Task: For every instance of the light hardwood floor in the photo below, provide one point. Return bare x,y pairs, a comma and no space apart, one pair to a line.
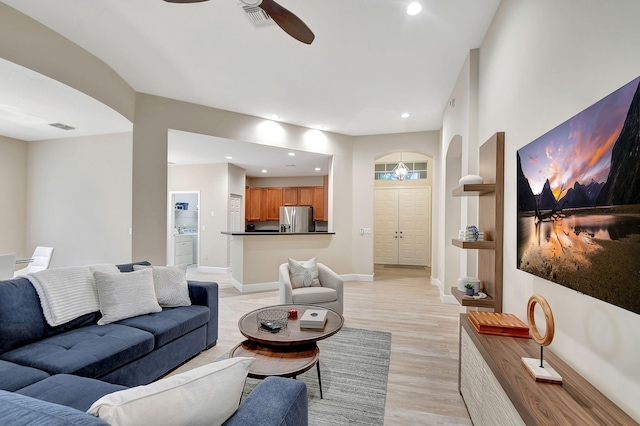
423,371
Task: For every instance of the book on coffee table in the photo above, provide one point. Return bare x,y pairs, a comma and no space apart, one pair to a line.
313,318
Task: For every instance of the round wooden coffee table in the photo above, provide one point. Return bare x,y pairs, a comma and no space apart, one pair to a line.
288,352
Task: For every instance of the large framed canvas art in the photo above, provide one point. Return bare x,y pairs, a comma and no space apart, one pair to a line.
579,201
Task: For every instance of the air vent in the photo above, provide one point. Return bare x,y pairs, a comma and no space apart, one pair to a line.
257,16
289,165
62,126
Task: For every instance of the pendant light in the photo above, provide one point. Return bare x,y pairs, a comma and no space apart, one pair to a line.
401,170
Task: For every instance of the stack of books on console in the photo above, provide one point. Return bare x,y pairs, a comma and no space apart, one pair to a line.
464,235
313,318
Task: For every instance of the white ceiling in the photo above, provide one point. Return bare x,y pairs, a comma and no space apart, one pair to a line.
369,63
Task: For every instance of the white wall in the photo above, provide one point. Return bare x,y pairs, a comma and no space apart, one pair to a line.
79,198
542,62
13,187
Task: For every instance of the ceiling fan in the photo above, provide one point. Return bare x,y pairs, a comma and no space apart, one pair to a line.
286,20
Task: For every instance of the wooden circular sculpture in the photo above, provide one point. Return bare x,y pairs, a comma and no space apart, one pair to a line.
548,317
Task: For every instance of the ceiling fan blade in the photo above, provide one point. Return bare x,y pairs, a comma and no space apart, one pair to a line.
286,20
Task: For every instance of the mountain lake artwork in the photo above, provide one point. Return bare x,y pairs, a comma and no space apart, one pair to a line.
579,201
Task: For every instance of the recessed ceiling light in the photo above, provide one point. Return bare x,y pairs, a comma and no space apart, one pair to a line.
318,169
405,115
228,157
292,154
414,8
264,170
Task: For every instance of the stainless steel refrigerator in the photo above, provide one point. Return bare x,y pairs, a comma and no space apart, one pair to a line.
296,219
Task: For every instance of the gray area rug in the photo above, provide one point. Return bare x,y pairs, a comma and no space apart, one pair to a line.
354,367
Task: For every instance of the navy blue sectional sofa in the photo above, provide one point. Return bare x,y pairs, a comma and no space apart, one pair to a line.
71,366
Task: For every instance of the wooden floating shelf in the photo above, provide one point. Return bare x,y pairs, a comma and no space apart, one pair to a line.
478,245
474,189
487,302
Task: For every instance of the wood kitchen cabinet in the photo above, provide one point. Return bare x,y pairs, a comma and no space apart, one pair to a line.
272,202
305,196
313,196
290,196
254,202
319,204
262,204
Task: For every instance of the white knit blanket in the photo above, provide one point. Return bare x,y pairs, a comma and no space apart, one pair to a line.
68,293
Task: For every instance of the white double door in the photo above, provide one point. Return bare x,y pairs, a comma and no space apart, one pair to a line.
402,234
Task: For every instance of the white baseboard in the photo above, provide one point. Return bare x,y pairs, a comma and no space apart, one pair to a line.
213,270
447,299
357,277
253,288
437,283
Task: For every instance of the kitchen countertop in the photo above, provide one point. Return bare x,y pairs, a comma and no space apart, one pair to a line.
275,233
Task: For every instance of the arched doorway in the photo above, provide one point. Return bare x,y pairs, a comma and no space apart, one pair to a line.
452,218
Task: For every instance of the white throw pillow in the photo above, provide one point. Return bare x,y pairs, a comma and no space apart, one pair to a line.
125,295
303,273
206,395
170,283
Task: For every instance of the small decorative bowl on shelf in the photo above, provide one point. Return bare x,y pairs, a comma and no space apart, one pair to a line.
273,320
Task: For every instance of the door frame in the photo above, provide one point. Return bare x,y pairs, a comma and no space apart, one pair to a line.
171,226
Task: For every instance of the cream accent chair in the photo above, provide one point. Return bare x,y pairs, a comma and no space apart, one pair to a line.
329,294
7,265
41,260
